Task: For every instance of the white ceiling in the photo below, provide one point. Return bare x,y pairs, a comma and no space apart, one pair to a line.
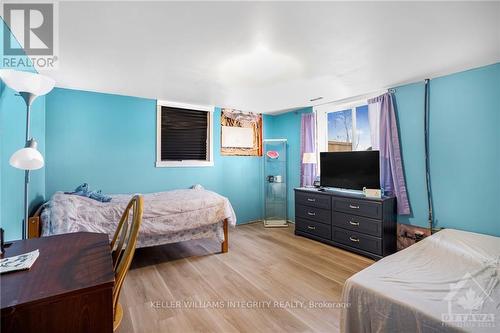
268,57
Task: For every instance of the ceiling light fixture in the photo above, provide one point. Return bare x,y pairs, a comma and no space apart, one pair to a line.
261,65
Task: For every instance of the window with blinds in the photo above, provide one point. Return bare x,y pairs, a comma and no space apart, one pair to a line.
184,136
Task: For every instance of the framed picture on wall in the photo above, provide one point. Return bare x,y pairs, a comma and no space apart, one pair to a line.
241,133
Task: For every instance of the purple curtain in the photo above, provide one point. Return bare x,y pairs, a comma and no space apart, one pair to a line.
392,177
307,145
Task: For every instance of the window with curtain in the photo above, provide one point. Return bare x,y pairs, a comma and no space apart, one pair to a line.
348,129
366,125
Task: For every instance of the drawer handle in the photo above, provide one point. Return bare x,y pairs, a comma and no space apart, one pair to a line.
354,223
311,200
310,227
354,239
353,207
311,213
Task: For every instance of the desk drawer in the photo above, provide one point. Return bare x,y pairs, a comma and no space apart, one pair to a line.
358,207
313,213
358,223
314,228
358,240
313,200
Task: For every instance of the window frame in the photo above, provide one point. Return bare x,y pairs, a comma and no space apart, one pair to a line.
322,112
210,137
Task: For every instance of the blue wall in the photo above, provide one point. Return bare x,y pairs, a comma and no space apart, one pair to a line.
12,138
102,139
464,149
287,126
109,141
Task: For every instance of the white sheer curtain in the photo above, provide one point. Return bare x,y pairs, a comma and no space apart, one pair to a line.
374,120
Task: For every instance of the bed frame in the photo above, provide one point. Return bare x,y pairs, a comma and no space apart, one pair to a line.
35,229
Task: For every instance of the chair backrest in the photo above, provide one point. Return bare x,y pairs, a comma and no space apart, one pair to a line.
123,243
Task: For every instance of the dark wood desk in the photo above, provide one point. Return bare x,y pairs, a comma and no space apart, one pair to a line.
68,289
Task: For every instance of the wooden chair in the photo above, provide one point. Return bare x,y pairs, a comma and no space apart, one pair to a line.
123,248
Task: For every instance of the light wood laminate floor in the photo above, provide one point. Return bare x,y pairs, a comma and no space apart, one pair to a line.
269,281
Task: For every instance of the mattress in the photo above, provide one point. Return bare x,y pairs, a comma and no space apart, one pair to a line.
168,217
448,282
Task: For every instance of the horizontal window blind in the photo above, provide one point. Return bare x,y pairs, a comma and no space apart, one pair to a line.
183,134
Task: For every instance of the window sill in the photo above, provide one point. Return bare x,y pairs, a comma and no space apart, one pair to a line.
183,164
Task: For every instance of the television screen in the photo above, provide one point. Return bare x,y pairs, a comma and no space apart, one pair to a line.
350,170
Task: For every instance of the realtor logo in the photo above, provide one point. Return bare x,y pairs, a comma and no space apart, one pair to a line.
467,303
31,38
33,25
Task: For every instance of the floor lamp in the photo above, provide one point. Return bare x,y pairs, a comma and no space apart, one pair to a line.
29,86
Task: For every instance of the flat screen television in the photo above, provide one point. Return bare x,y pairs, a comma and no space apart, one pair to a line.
350,170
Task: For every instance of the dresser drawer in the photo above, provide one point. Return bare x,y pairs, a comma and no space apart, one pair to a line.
358,240
313,200
358,207
314,228
358,223
313,213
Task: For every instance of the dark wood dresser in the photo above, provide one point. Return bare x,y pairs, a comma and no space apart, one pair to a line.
68,289
350,221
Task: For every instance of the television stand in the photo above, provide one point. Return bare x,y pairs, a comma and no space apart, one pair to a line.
347,219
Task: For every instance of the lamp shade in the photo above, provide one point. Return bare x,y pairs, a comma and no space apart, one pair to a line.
32,83
28,158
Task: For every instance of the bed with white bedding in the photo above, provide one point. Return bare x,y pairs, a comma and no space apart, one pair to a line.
168,217
448,282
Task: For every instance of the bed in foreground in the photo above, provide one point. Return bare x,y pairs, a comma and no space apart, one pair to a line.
169,217
449,282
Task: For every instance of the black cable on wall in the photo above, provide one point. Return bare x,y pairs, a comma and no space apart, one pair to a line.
427,167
